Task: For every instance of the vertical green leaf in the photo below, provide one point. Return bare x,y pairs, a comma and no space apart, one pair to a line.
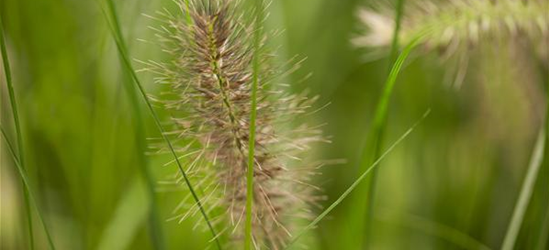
28,186
377,138
253,114
527,186
20,160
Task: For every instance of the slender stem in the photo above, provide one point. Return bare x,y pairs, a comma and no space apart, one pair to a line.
365,174
525,193
155,226
394,43
378,130
221,83
528,185
117,35
253,115
14,109
27,184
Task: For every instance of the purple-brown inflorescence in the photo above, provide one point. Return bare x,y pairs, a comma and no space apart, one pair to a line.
210,81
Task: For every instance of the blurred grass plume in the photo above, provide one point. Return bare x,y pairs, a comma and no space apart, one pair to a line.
457,24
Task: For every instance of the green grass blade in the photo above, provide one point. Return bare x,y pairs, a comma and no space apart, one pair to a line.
28,212
394,43
528,186
156,231
25,178
365,174
111,16
378,131
525,193
363,211
14,109
253,114
11,92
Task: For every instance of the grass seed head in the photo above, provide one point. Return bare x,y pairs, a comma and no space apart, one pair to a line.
210,80
456,25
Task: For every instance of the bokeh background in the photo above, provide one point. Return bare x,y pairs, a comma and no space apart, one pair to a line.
458,174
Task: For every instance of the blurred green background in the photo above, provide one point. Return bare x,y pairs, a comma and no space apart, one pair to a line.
459,173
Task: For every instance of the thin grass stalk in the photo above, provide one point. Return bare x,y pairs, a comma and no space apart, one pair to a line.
378,132
525,193
28,187
538,155
156,231
117,35
13,103
394,43
253,115
357,182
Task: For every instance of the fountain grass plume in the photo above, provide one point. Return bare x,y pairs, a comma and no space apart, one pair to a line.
457,24
211,77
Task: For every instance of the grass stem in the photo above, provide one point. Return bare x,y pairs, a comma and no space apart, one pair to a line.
114,25
28,187
525,193
253,114
365,174
15,113
155,226
378,130
527,189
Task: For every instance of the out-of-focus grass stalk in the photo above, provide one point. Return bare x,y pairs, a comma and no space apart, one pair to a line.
538,155
111,18
372,151
28,187
365,174
394,43
155,226
253,114
525,193
14,109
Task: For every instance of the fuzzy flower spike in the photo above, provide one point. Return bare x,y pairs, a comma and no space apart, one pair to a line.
210,79
458,24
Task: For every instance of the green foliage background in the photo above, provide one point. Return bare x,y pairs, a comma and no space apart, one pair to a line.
460,171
